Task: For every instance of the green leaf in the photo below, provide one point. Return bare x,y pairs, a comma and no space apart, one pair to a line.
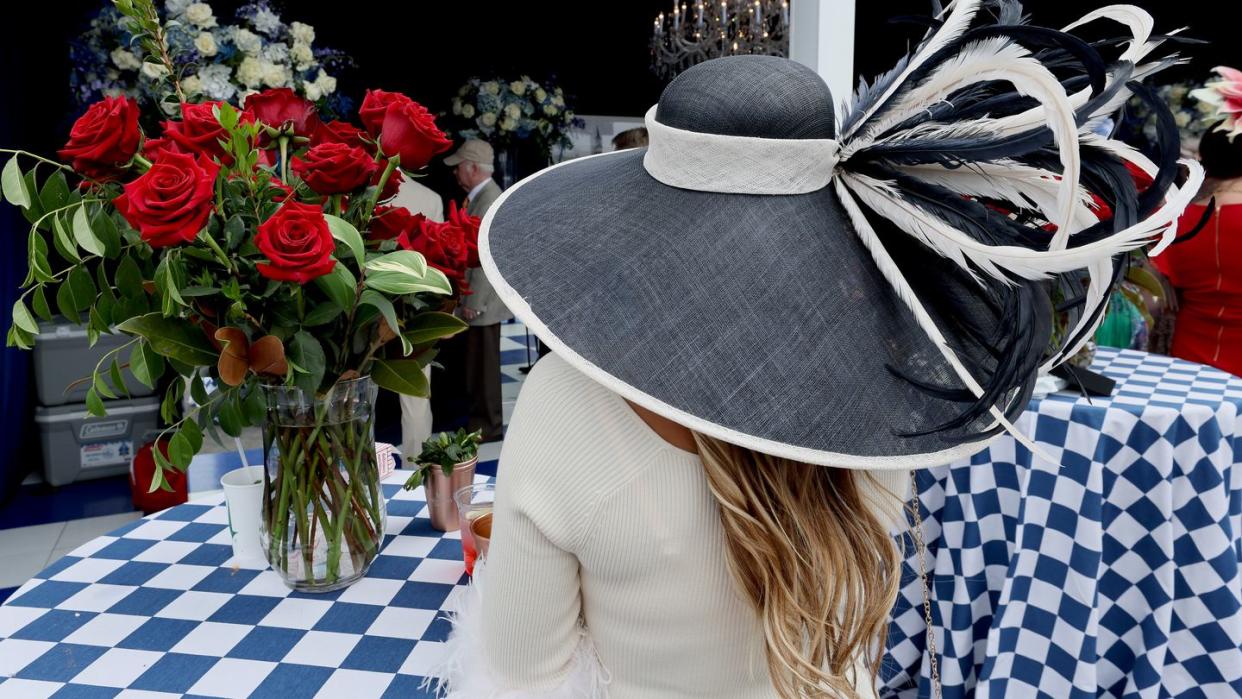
193,435
63,240
75,294
39,303
14,184
322,314
234,232
129,278
195,291
230,417
171,405
16,337
339,285
55,192
162,464
35,211
166,284
97,324
179,451
378,301
105,229
83,233
402,283
345,232
254,407
400,261
145,364
94,405
198,391
174,338
101,386
404,376
23,319
306,352
114,373
432,326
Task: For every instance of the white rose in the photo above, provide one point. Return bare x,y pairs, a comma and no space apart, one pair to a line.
248,42
176,7
558,101
112,92
513,111
326,83
1182,119
312,92
467,110
456,106
303,33
206,44
508,124
126,60
302,54
276,74
155,71
250,72
569,114
491,87
1179,92
540,94
487,119
192,85
550,110
112,74
200,15
518,87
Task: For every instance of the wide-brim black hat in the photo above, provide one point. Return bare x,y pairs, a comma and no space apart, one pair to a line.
758,278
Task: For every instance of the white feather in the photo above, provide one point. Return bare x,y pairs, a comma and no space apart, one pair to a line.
1007,180
1099,276
958,21
995,260
896,280
466,674
1003,60
1137,19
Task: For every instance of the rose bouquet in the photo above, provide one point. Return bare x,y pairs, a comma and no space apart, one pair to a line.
503,112
232,245
215,60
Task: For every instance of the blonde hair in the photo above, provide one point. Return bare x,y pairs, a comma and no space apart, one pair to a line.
808,551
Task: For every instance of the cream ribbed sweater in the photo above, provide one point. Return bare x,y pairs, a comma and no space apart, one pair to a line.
598,516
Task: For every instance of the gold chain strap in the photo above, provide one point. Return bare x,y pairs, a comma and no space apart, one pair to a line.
920,547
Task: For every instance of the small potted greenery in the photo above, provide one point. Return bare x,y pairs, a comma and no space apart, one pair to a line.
445,465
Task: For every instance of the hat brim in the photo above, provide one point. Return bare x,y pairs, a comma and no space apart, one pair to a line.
758,320
454,160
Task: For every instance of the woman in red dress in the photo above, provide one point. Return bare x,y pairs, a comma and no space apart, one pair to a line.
1206,270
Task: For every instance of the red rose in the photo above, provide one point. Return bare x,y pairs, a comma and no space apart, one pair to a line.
104,138
199,131
172,201
375,106
403,127
395,178
390,222
152,148
470,232
341,132
442,244
334,168
410,131
282,108
298,243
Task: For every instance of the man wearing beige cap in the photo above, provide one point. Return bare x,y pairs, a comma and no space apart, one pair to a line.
482,308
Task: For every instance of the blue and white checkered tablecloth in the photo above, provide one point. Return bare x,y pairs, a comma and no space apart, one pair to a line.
1113,572
158,609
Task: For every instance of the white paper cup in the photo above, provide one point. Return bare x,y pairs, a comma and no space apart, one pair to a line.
243,495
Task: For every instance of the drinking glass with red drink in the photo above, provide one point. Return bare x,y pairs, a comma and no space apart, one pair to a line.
475,504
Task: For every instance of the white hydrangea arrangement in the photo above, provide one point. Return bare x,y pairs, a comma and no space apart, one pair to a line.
218,61
504,111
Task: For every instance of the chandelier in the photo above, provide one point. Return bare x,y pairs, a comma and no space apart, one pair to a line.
697,32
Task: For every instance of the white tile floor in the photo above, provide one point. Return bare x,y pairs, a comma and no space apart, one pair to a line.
25,551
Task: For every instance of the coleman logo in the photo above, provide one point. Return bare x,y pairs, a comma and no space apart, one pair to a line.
110,428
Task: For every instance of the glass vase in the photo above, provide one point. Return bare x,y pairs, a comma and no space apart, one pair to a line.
323,508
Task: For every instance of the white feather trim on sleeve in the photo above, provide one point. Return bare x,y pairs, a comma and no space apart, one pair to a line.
466,673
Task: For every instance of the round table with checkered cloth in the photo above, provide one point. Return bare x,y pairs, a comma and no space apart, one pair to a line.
1112,572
